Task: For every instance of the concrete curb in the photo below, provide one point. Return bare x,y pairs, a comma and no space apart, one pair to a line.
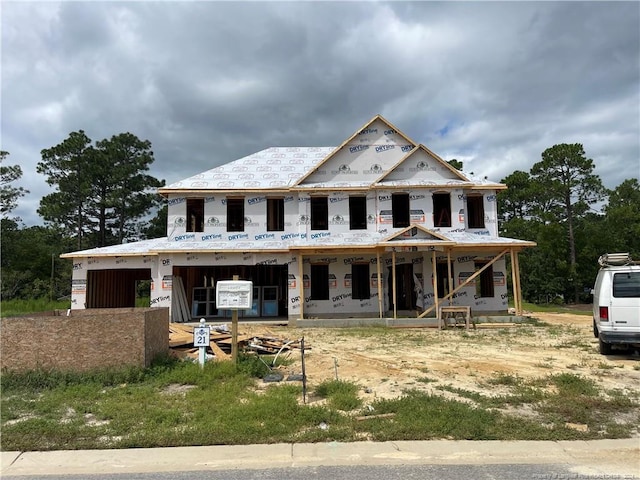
620,457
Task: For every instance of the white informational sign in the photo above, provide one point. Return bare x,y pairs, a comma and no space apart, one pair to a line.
234,294
201,336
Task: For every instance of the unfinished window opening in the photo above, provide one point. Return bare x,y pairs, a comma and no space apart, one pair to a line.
275,214
360,281
235,214
484,281
441,210
319,213
195,214
319,281
475,211
443,281
358,213
400,209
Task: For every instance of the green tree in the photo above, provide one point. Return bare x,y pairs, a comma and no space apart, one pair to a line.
457,164
622,218
102,191
566,177
157,226
515,202
69,167
9,194
132,192
31,263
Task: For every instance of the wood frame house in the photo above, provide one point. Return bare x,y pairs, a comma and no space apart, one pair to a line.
377,227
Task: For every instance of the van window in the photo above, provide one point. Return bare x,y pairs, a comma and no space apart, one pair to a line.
626,285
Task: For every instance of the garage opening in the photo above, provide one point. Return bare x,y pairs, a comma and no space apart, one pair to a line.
270,289
115,288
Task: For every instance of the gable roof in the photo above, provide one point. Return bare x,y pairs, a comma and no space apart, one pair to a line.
416,232
377,155
421,166
378,133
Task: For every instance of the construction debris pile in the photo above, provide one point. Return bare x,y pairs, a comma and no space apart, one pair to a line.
220,339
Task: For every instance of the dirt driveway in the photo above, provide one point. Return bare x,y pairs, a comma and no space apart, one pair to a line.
387,361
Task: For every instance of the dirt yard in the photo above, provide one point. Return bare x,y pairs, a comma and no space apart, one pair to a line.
387,361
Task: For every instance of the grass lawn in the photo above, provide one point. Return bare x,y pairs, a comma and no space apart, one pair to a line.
177,403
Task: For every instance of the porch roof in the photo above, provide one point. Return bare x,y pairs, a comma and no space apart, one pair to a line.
358,240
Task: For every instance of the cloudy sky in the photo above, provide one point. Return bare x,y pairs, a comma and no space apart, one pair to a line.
492,84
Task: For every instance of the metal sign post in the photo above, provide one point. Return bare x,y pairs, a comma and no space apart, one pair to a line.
201,338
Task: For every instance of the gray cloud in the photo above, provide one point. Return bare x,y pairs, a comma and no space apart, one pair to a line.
492,84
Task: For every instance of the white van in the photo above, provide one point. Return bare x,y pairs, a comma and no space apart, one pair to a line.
616,302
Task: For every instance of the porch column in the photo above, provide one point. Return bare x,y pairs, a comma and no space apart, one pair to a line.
393,275
449,277
517,289
434,281
300,279
378,260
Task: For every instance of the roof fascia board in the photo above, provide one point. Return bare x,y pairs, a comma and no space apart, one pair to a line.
200,192
518,246
148,253
332,188
333,248
496,186
438,247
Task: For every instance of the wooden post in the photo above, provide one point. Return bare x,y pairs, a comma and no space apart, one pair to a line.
304,373
514,282
434,282
301,280
234,331
449,277
378,260
518,291
393,274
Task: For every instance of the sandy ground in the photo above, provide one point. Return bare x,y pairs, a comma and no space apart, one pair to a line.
387,361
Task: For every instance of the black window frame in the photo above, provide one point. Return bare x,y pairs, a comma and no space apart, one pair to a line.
360,283
357,212
275,214
319,277
401,210
319,207
195,214
441,209
235,214
475,211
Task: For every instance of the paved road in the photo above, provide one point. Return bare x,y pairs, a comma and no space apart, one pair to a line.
601,459
358,472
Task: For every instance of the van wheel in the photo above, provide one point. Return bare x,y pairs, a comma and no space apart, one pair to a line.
605,348
595,329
